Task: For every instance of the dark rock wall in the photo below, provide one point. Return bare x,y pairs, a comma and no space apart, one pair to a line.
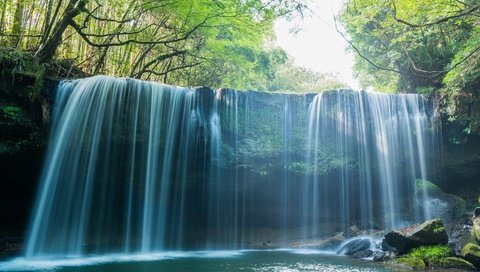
23,137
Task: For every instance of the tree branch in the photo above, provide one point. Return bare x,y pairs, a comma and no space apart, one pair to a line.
439,21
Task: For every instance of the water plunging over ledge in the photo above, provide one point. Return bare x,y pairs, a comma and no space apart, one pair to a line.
140,167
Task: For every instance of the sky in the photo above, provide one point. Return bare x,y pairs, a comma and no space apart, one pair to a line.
317,45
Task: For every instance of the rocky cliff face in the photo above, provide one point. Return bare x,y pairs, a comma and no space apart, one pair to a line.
23,136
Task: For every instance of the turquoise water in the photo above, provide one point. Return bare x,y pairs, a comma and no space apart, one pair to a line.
208,261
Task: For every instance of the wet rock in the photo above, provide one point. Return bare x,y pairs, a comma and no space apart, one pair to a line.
379,256
363,253
455,262
471,253
440,204
355,246
459,236
476,228
431,232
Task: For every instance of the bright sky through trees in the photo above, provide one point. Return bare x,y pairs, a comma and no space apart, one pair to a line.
317,45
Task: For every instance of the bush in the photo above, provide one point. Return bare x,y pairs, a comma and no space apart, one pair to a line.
431,254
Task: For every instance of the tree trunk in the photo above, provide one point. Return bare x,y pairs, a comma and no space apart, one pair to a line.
17,22
47,51
2,18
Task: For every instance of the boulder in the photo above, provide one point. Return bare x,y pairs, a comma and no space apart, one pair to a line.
355,246
476,228
459,236
431,232
476,211
455,262
411,262
438,203
471,253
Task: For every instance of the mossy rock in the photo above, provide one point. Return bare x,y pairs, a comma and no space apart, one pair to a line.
471,253
425,186
430,233
411,262
476,229
445,206
455,262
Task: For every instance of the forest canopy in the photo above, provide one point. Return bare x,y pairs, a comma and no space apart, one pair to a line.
415,45
217,43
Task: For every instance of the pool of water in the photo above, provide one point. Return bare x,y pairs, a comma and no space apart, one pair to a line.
201,261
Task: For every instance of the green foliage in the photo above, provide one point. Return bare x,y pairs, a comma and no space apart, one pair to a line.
23,66
411,42
290,78
214,43
431,254
18,132
11,112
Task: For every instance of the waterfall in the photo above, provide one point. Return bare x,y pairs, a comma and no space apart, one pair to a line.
138,167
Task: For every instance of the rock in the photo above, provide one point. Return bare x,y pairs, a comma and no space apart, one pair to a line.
455,262
363,253
397,242
471,253
355,246
476,228
476,212
388,248
431,232
411,262
460,235
440,204
379,256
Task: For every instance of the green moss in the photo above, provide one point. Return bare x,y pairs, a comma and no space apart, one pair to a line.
425,186
431,254
472,249
455,262
412,262
23,66
11,112
476,228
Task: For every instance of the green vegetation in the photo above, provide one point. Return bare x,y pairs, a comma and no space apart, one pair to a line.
425,185
415,46
213,43
420,46
455,262
431,254
412,262
19,132
471,253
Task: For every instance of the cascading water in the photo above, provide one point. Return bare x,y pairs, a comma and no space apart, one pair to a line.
140,167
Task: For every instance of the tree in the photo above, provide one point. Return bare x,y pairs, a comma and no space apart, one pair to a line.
208,42
410,45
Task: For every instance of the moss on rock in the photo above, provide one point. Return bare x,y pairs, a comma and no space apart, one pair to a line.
471,253
476,229
429,187
455,262
455,205
411,262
